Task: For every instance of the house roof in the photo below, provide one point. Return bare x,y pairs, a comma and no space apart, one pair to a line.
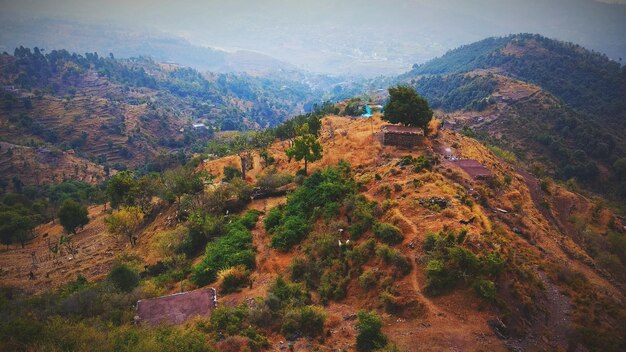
473,168
178,307
402,129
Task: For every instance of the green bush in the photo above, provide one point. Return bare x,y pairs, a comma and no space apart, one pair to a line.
231,173
228,319
394,257
362,253
322,188
234,278
485,289
370,336
202,228
293,230
250,218
123,277
361,215
368,280
388,233
287,293
307,321
273,218
450,264
234,248
333,286
438,278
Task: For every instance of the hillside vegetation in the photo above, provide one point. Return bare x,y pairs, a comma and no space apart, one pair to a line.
433,256
554,103
122,113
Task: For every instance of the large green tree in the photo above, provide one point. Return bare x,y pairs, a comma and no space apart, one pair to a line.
72,216
122,189
16,226
406,107
305,147
182,180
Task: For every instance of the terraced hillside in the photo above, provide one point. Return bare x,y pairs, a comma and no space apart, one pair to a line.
553,103
447,261
125,113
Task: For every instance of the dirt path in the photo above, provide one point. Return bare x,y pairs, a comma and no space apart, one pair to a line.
268,262
428,304
536,194
555,328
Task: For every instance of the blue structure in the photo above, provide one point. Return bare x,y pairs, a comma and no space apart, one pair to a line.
368,111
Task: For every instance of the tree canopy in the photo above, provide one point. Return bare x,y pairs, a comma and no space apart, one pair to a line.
125,222
406,107
16,226
122,189
305,147
72,215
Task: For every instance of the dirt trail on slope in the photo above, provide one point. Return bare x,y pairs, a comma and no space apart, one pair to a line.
428,304
555,328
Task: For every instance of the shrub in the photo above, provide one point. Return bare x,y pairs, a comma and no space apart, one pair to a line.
273,218
330,211
234,248
287,293
390,302
202,228
293,230
394,257
231,173
362,253
271,180
430,242
388,233
307,320
234,278
368,280
370,336
228,319
123,277
250,218
333,286
485,289
438,278
493,264
360,213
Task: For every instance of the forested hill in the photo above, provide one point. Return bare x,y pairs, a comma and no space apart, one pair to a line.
557,104
226,97
585,80
124,113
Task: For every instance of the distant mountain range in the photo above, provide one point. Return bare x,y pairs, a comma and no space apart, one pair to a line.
124,43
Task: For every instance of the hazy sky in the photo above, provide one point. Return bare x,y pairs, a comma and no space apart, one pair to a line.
316,34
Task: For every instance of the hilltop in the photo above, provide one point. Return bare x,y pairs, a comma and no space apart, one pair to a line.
553,103
503,263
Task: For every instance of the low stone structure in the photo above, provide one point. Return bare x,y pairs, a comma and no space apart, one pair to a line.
177,308
402,136
473,168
